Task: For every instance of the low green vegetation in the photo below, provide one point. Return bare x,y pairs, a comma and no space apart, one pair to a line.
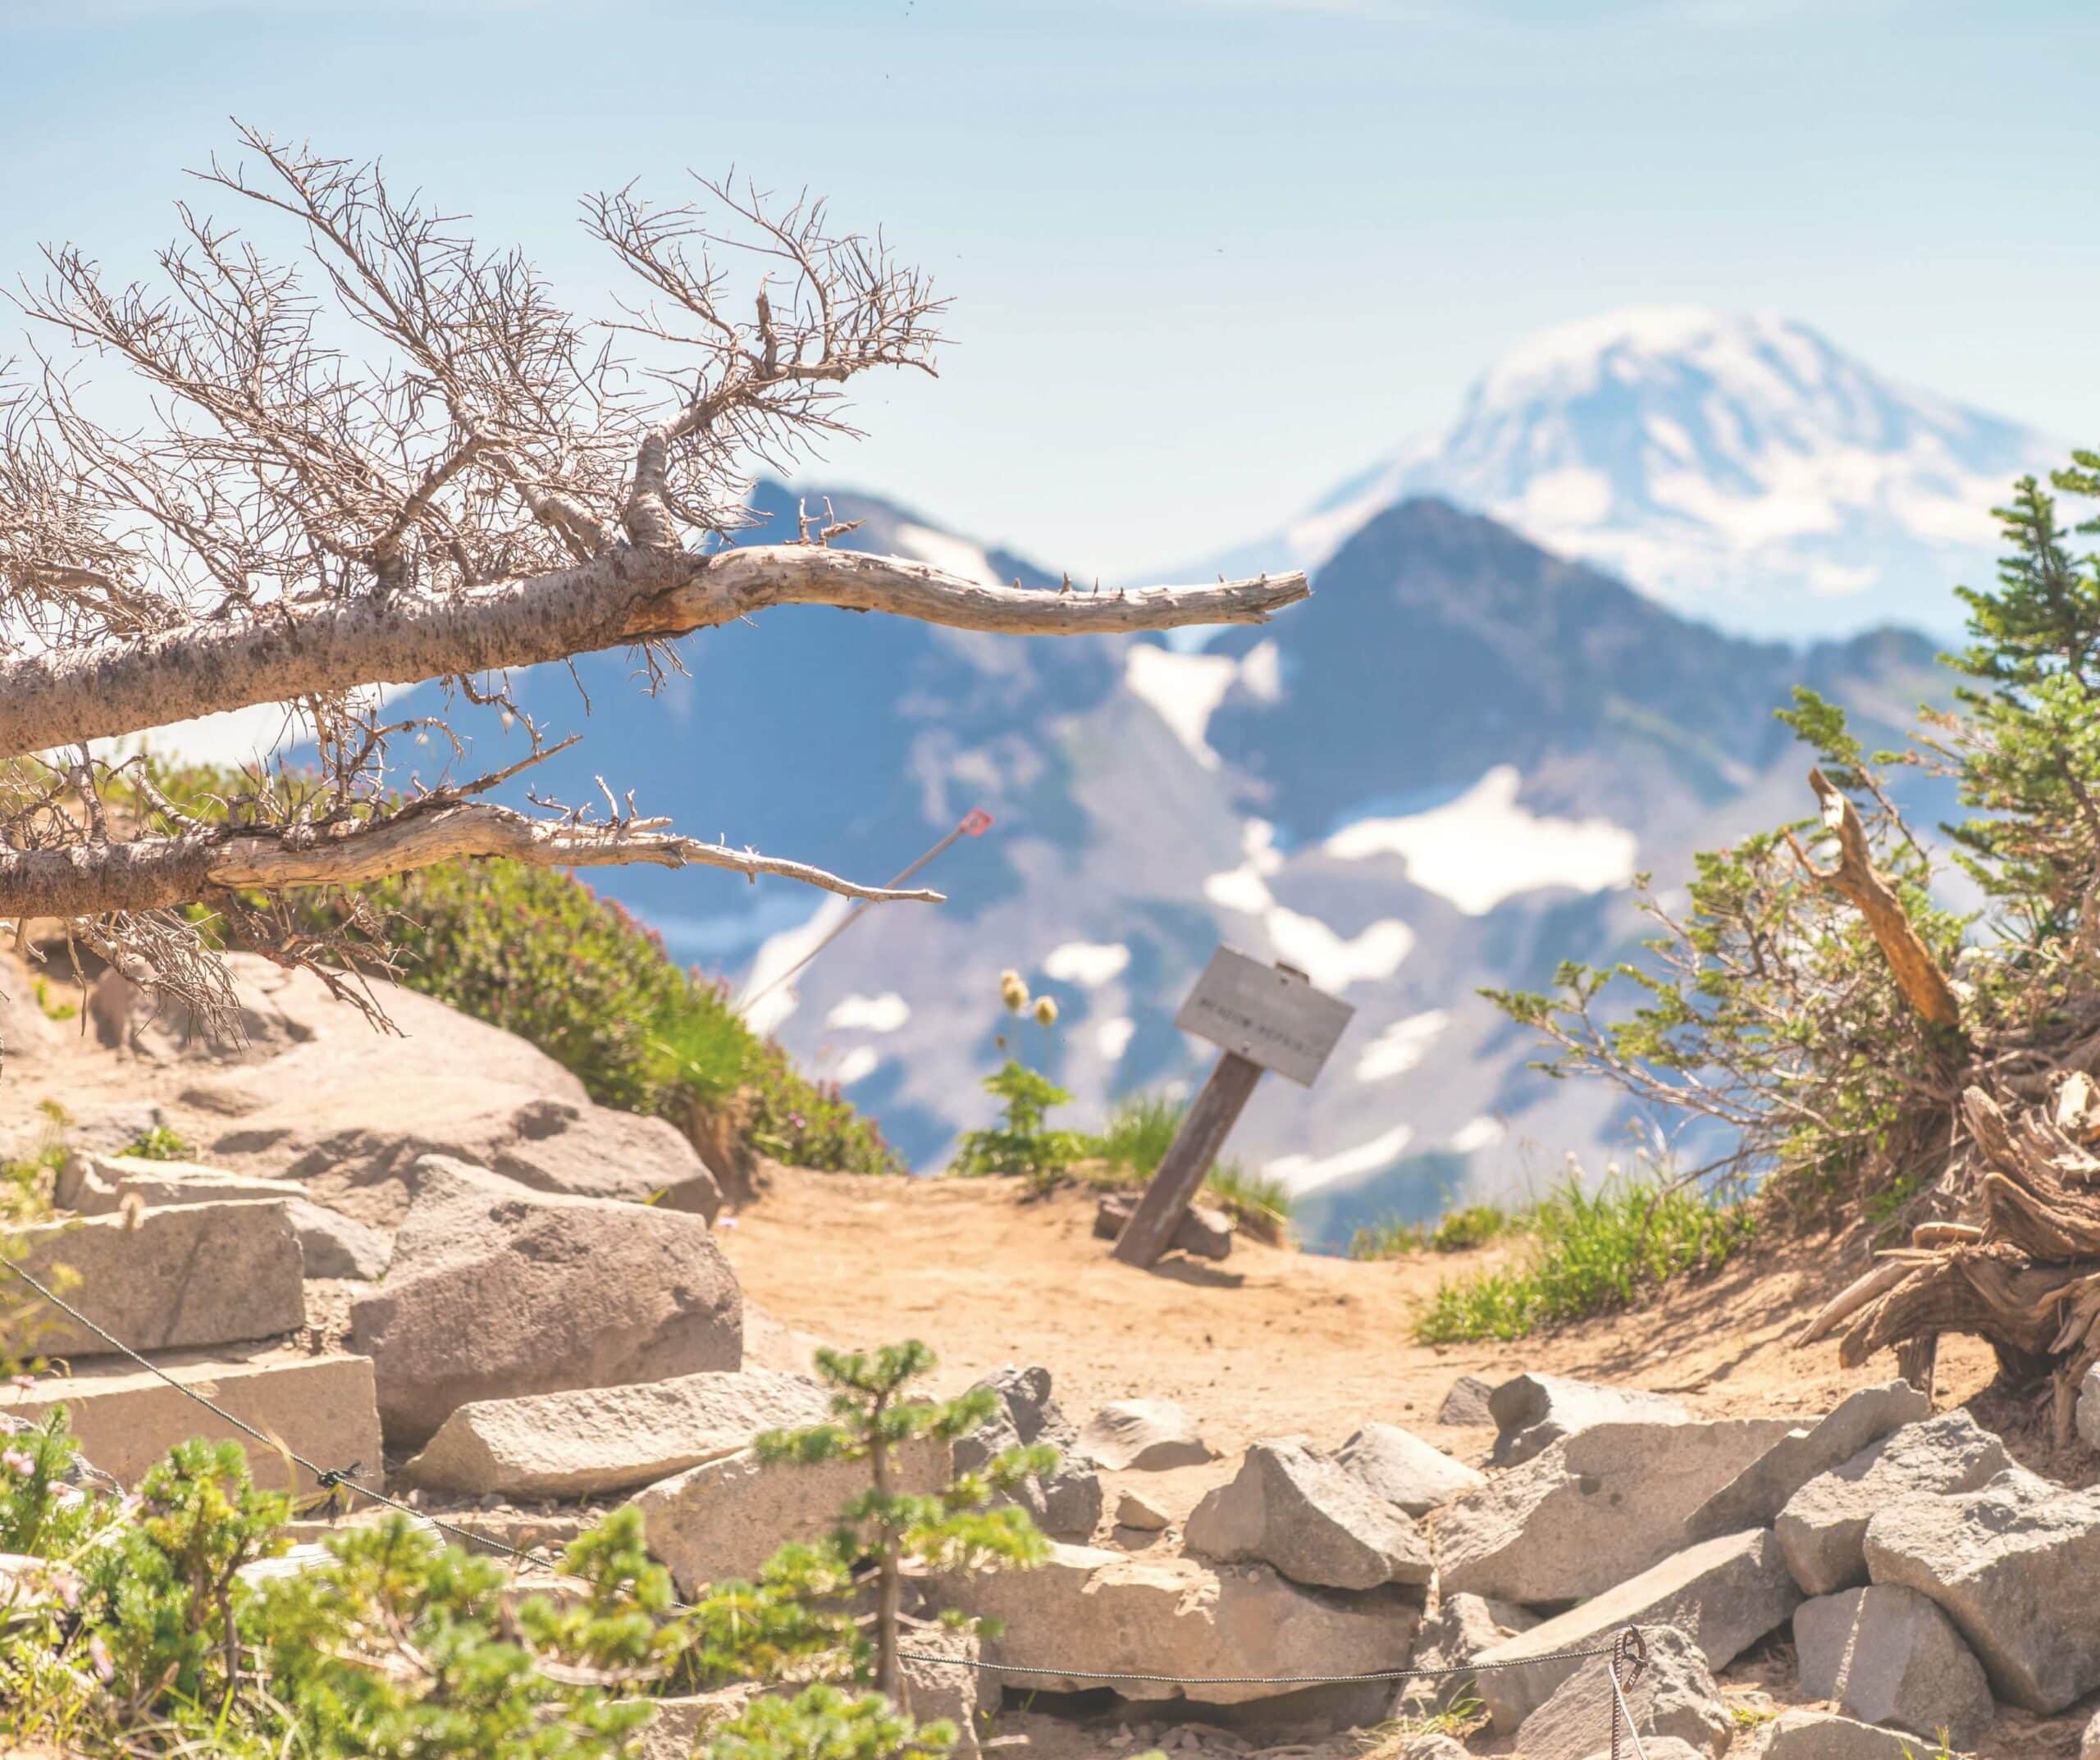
1584,1253
156,1142
130,1628
1124,1153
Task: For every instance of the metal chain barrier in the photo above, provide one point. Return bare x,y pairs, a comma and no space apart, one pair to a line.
1627,1652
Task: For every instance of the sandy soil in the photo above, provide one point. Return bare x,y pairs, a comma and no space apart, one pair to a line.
1270,1341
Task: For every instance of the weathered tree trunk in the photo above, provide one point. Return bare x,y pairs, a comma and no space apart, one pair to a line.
2026,1279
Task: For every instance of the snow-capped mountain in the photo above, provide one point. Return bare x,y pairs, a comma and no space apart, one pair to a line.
1742,469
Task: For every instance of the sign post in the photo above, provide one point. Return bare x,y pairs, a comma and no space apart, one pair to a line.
1262,1017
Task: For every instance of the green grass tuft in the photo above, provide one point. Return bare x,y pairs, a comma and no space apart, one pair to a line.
1590,1253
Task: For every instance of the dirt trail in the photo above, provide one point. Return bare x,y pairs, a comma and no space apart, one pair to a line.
1270,1343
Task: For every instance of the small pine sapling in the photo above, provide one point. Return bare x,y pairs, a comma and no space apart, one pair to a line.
877,1421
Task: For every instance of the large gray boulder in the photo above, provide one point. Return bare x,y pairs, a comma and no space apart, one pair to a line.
1147,1434
718,1522
1823,1528
1672,1698
333,1245
166,1279
2016,1566
339,1246
1460,1628
1725,1595
316,1095
1067,1503
1314,1520
590,1441
1756,1495
1103,1613
1800,1735
1402,1469
1886,1655
497,1291
1531,1412
1595,1508
2088,1744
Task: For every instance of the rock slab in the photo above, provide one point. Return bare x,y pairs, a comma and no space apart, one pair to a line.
1723,1595
497,1291
320,1407
1593,1509
1314,1521
2016,1567
1099,1610
169,1279
1816,1736
1202,1233
1888,1655
1531,1412
719,1521
1754,1497
591,1442
1149,1434
1823,1528
1068,1501
1672,1698
333,1245
1399,1466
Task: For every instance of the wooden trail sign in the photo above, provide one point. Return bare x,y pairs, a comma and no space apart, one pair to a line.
1262,1017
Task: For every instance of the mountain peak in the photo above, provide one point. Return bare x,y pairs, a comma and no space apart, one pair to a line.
1575,357
1740,468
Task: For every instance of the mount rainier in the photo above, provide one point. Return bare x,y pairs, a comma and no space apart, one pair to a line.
1741,469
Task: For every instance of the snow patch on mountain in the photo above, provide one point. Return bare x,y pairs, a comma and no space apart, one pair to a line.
1089,965
1484,847
884,1014
1332,961
1246,887
945,551
1400,1045
1301,1173
1476,1134
1186,689
857,1065
773,1001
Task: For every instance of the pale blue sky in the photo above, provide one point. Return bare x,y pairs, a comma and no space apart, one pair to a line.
1207,256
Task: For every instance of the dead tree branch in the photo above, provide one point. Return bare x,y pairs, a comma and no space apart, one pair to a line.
1855,878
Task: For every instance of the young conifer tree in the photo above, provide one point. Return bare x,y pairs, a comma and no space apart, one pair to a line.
877,1420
